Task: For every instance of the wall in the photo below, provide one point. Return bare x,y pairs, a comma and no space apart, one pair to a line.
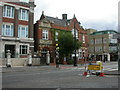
20,62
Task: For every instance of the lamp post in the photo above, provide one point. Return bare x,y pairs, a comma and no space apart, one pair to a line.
75,58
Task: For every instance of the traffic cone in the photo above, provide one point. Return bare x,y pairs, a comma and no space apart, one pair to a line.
101,74
85,74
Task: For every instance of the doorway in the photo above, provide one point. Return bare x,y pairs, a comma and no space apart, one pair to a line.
12,50
43,55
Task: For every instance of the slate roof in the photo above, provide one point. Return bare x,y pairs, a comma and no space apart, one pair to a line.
59,22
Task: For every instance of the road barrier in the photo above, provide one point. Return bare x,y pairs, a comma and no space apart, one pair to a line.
96,67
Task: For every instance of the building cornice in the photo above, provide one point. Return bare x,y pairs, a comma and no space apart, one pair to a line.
18,39
18,6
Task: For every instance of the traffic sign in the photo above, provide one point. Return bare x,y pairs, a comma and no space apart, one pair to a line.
94,67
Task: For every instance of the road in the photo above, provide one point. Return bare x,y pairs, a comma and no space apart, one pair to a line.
58,78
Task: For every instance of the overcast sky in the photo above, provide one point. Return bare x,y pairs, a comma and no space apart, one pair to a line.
96,14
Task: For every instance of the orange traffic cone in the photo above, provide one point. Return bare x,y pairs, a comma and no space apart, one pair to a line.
85,74
101,74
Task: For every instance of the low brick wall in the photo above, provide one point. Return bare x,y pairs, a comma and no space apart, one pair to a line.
20,61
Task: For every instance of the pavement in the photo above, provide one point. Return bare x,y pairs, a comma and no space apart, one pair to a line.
39,68
61,67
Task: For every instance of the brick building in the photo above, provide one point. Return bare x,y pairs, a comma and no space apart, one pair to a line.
47,29
16,28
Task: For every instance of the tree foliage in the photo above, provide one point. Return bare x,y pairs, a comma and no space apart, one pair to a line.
67,43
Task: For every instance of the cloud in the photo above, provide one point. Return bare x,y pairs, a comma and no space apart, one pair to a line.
100,25
99,14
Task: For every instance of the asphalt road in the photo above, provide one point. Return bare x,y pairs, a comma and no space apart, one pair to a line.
57,78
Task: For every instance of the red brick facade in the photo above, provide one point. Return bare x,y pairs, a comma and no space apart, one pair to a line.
39,26
17,41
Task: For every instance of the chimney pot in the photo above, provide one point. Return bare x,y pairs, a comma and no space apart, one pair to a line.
64,16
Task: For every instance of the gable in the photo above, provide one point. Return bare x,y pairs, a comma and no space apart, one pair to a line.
45,23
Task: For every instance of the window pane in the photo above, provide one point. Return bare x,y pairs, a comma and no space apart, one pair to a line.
3,28
23,15
26,32
4,9
45,34
12,14
12,29
7,30
23,31
8,11
23,49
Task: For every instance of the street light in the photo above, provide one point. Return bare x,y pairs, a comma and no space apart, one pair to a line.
75,58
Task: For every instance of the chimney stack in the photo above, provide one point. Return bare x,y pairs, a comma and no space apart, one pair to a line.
64,16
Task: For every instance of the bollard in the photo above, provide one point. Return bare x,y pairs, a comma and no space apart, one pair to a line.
48,58
29,59
8,62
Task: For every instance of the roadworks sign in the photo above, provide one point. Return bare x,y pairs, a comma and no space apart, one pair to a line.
95,67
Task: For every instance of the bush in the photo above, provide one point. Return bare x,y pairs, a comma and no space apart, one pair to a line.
70,61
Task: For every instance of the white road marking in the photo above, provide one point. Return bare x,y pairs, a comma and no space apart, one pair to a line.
110,69
112,76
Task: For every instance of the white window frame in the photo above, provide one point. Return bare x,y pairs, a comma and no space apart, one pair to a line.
83,38
8,11
23,14
74,34
45,34
23,48
56,36
6,31
113,48
22,33
113,41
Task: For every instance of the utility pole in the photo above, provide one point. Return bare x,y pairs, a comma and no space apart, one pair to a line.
75,58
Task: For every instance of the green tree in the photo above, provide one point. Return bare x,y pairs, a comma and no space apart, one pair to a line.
67,44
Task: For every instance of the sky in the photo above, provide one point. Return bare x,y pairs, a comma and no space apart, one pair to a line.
95,14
